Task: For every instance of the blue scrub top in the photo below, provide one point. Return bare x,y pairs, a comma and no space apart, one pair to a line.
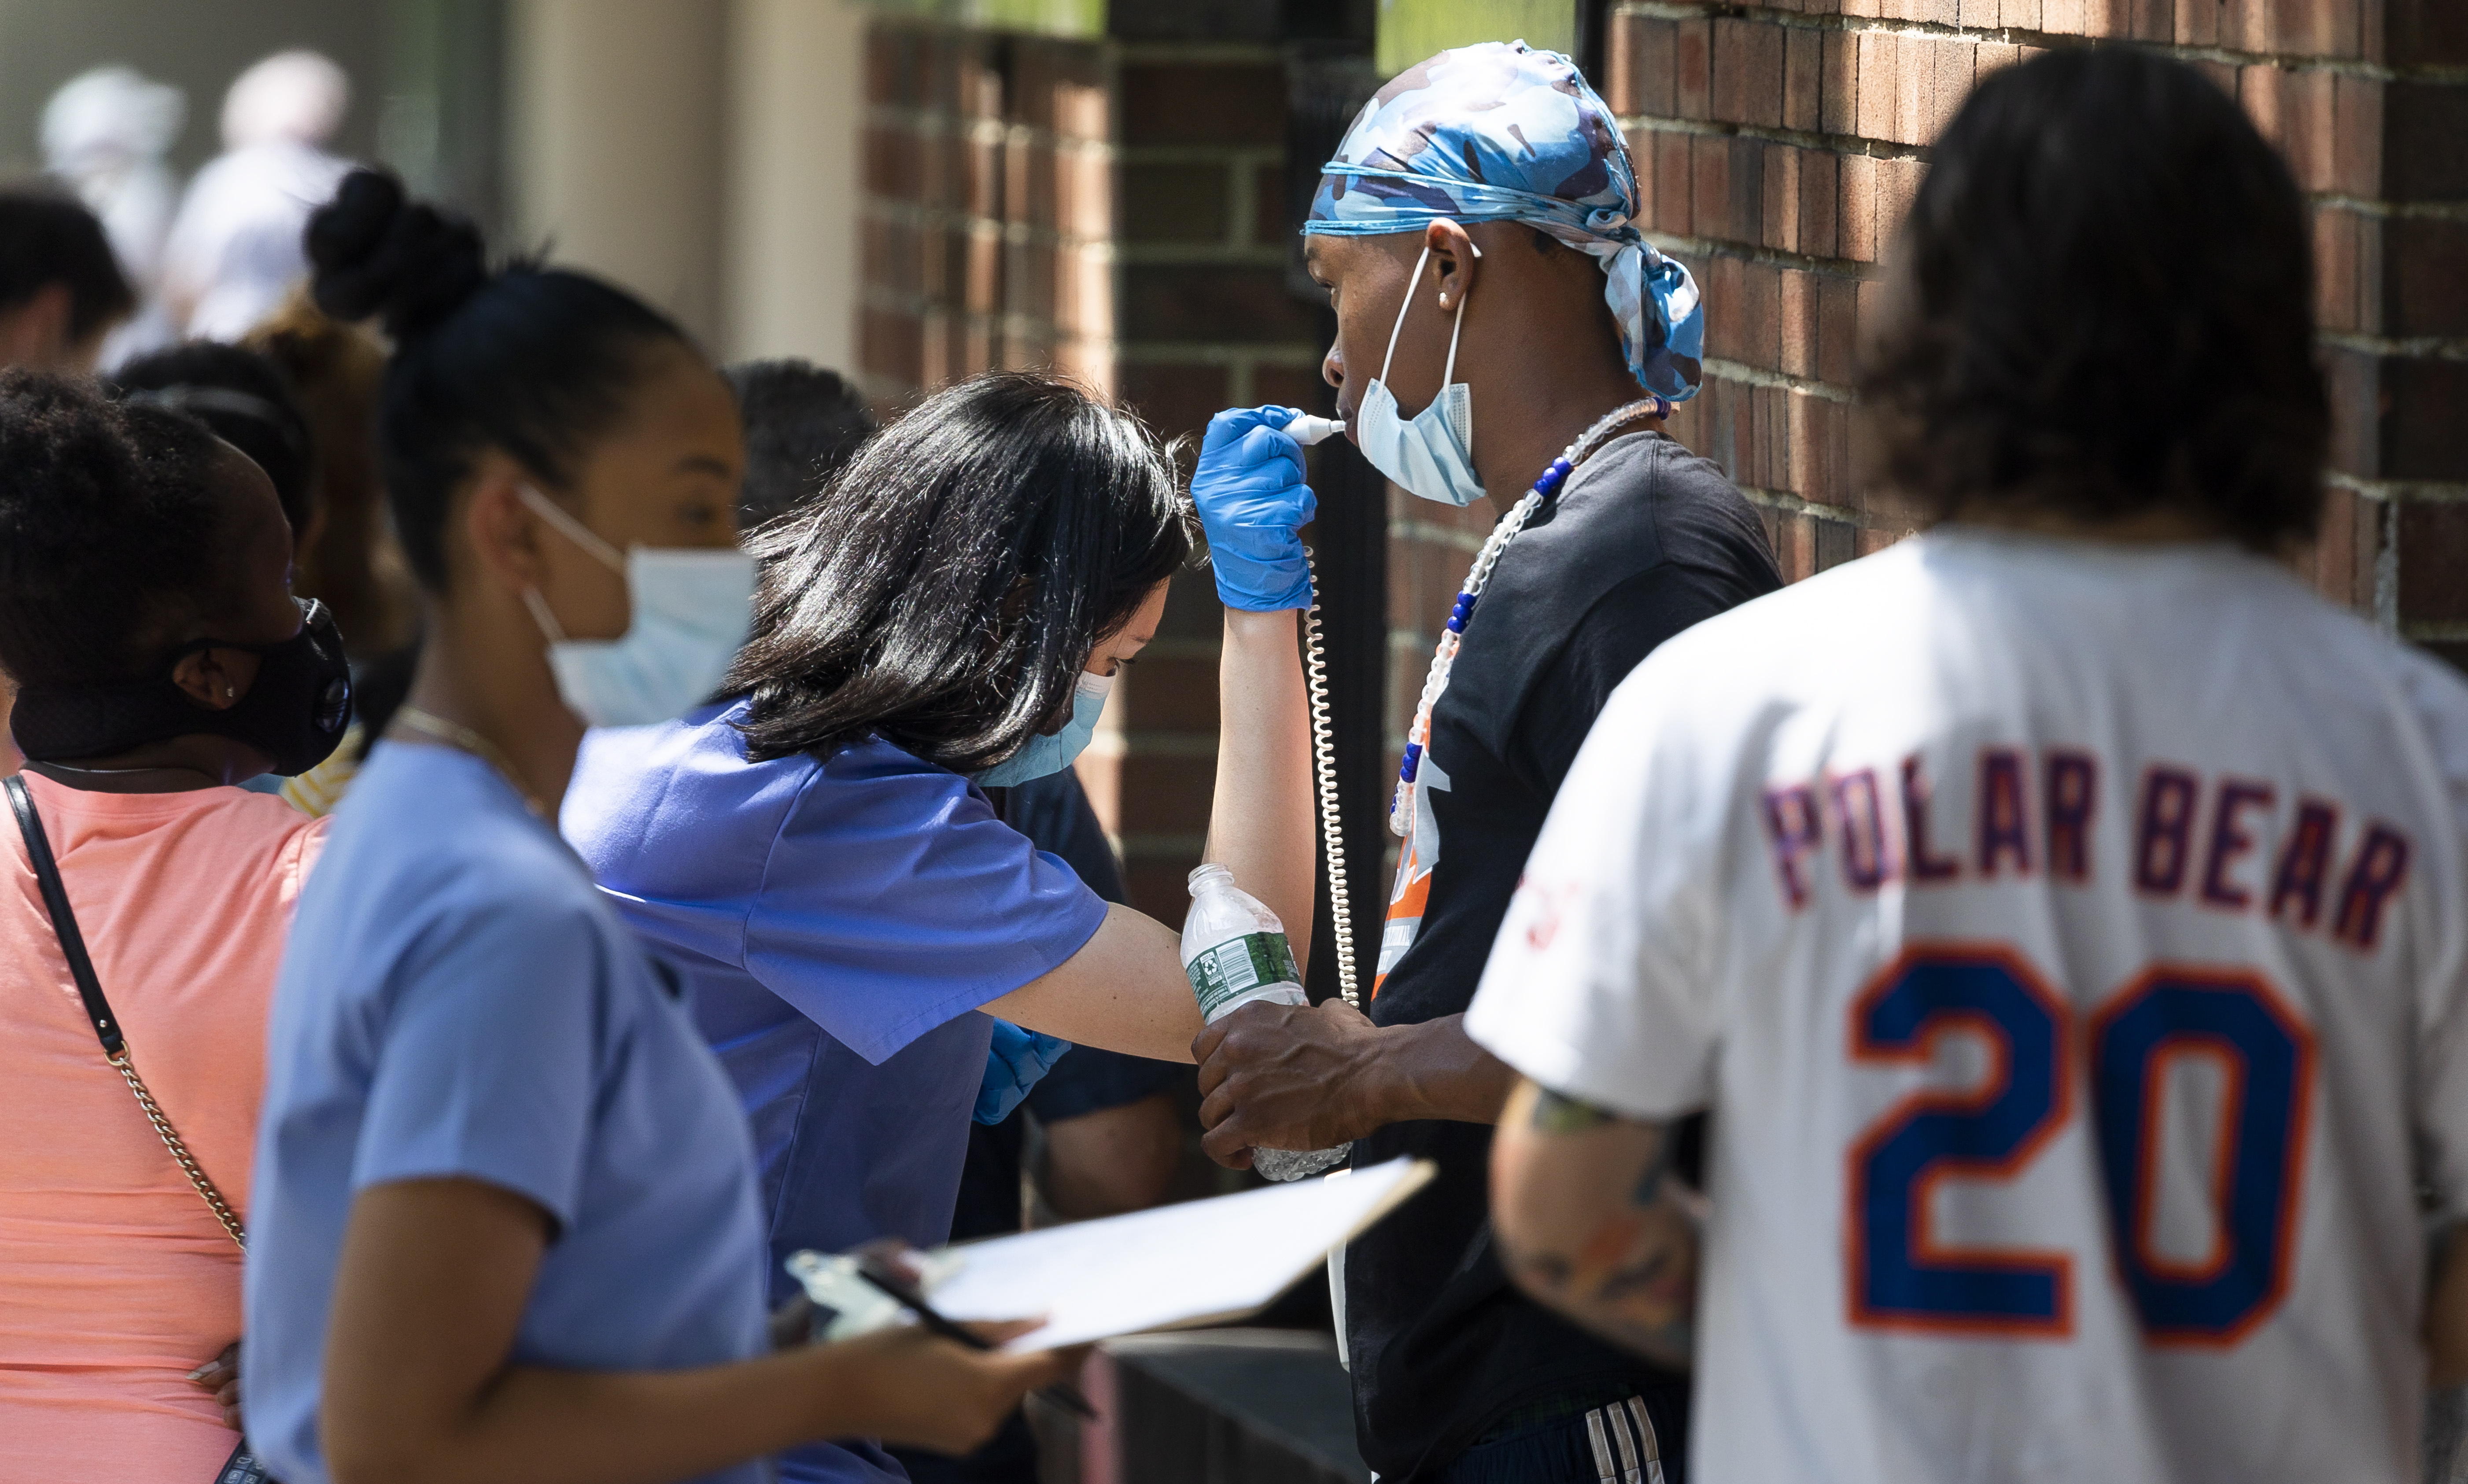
836,925
458,1001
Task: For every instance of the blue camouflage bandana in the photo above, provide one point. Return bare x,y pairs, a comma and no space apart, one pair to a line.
1503,132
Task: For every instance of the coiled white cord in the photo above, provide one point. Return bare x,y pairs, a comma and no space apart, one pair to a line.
1332,830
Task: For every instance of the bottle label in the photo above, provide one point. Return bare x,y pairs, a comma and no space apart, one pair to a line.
1231,969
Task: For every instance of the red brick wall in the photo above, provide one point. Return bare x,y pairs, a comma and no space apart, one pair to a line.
1206,323
1777,144
1115,211
989,208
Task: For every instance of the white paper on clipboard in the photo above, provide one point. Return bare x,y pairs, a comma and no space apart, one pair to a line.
1204,1262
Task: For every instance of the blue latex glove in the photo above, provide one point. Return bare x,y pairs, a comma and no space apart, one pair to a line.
1018,1058
1253,502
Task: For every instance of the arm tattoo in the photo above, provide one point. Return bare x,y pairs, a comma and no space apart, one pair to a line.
1630,1274
1554,1113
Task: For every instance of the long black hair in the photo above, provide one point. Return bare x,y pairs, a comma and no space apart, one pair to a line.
944,591
535,361
2110,306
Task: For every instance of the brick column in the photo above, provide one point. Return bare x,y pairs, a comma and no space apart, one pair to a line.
1777,145
988,218
1206,323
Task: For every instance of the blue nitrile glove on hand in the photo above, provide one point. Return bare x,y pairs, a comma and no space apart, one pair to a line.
1253,502
1018,1058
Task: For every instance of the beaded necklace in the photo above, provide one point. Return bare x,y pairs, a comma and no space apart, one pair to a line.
1401,808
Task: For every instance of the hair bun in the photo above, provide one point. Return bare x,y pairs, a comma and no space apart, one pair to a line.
375,251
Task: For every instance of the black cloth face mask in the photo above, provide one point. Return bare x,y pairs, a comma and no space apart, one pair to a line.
295,712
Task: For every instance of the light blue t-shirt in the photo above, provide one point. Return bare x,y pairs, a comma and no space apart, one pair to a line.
458,1000
837,925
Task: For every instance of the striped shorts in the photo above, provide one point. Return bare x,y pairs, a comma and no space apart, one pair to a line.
1617,1441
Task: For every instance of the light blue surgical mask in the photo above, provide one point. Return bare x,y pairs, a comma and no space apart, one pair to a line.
692,609
1431,456
1053,754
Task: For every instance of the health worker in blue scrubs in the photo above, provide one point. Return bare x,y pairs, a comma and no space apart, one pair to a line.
815,851
504,1225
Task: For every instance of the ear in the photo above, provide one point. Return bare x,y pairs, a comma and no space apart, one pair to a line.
1454,258
213,678
501,533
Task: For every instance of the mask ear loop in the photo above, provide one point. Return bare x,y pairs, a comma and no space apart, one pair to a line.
1398,329
581,535
573,530
1456,327
550,629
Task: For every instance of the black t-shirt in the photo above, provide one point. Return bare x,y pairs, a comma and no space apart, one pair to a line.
1643,540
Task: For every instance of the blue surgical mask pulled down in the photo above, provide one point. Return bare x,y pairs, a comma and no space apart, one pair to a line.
1053,754
1431,456
692,609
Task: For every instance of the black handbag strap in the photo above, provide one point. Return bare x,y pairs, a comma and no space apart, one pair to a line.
98,1010
55,900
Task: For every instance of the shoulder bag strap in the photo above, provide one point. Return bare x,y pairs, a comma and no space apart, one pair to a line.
98,1010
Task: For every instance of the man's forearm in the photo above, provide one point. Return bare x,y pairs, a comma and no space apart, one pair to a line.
1260,820
1433,1071
1592,1224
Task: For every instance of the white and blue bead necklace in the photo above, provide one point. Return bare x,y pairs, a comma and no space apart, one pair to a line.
1401,808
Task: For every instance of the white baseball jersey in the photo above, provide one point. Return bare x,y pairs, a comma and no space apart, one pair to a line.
2072,944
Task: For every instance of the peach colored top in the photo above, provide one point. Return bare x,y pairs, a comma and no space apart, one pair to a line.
116,1281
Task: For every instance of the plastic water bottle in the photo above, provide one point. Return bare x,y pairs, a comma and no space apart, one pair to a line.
1235,952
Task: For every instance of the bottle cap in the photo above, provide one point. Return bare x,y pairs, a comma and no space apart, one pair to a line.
1201,872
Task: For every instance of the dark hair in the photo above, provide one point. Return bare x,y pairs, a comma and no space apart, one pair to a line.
243,399
49,237
944,592
532,361
2109,307
104,512
802,422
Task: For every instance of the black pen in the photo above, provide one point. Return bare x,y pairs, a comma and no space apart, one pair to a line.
1067,1396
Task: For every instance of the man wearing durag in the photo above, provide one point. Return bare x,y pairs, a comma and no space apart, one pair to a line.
1504,333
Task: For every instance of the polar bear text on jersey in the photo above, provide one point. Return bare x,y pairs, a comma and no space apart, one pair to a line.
2227,844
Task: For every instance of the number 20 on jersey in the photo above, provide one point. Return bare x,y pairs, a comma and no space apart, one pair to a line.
1901,1278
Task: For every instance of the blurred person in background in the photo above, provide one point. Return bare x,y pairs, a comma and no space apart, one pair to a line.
243,399
61,292
510,1230
234,252
105,135
145,605
352,563
803,425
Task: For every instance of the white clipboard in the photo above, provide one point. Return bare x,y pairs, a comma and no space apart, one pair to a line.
1204,1262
